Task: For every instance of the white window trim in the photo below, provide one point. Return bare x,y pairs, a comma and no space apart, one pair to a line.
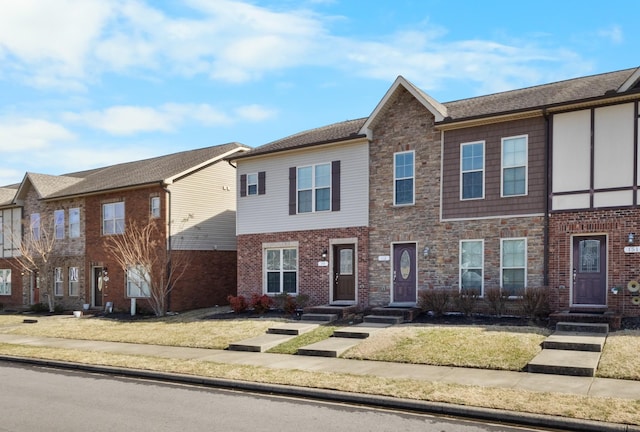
143,290
58,280
249,184
503,167
462,172
413,176
313,187
279,246
5,282
115,225
72,224
502,267
34,227
481,293
74,277
154,210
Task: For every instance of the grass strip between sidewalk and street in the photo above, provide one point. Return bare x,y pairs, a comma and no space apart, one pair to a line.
590,408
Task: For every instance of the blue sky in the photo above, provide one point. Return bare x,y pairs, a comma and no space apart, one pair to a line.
88,83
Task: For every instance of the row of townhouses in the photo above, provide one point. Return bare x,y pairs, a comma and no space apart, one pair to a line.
530,188
190,196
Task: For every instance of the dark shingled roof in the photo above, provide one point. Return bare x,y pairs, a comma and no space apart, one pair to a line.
137,173
545,95
323,135
537,97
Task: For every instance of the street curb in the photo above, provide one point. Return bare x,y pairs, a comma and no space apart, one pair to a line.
438,408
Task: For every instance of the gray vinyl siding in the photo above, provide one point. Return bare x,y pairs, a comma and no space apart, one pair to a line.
203,209
270,212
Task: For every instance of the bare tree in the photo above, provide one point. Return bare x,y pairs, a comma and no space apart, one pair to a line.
143,252
37,255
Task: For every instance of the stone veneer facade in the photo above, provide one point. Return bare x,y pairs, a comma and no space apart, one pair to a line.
408,125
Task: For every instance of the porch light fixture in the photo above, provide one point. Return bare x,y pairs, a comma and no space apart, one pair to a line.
425,251
324,255
630,238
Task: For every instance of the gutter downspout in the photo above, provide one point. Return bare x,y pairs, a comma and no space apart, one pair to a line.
547,206
169,240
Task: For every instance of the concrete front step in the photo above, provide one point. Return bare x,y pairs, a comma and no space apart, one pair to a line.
583,327
332,347
408,313
359,331
383,319
319,317
260,343
575,341
293,328
565,362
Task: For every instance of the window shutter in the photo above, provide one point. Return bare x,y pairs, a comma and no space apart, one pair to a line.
243,185
335,186
261,183
292,190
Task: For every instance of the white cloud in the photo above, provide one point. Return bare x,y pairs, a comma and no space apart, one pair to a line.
27,134
613,34
255,113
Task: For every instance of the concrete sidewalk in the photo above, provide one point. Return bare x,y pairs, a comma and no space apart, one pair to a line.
586,386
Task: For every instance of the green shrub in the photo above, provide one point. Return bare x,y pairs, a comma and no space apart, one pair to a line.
39,308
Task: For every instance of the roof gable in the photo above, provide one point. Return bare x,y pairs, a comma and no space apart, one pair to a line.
438,110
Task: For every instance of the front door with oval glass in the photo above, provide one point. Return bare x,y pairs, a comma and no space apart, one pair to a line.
404,273
344,275
589,271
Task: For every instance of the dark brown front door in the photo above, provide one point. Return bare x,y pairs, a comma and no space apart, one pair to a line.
404,273
590,271
344,278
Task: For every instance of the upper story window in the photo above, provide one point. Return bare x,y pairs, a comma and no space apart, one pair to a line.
252,184
314,188
154,205
514,166
472,170
5,282
58,223
113,218
513,265
472,265
74,222
35,226
403,178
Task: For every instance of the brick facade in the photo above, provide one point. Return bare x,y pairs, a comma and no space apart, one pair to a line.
621,267
313,280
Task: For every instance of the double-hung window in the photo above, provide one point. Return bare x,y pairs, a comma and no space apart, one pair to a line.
74,223
471,266
281,268
514,166
403,178
252,184
5,282
35,226
73,281
314,188
58,224
513,265
138,280
472,170
113,218
154,205
57,282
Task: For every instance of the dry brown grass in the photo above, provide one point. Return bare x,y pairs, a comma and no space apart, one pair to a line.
490,347
592,408
620,356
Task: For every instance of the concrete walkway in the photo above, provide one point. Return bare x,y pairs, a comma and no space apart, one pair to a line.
587,386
